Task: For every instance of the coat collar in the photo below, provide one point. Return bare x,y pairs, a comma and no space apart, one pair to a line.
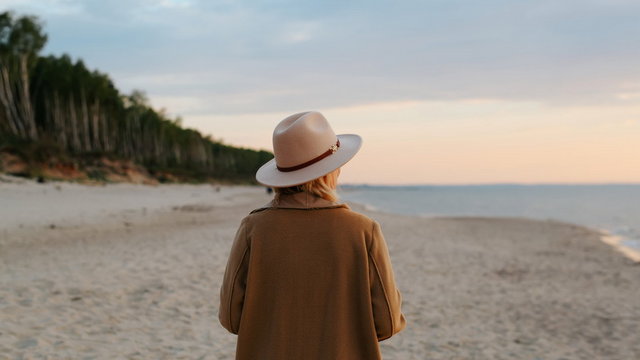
303,201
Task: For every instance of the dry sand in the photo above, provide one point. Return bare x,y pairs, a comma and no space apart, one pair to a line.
133,272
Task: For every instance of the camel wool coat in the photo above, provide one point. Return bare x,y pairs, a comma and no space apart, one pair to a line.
309,279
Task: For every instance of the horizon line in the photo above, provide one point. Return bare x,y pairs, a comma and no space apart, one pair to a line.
495,184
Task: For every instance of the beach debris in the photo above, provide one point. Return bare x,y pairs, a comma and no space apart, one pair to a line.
511,272
525,340
193,208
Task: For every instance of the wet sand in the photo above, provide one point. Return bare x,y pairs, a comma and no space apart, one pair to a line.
133,272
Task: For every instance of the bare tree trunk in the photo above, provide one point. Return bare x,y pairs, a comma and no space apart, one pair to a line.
126,139
76,144
4,124
131,139
95,112
9,103
58,120
177,154
27,109
106,133
7,109
161,153
156,145
49,124
85,121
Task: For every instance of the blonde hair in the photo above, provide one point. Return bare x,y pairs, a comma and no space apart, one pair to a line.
323,187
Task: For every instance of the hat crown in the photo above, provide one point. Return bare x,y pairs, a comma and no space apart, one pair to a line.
302,137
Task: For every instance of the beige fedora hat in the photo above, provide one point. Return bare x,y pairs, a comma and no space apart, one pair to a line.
306,148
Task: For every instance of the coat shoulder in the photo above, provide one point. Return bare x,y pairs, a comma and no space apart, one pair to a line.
358,218
344,212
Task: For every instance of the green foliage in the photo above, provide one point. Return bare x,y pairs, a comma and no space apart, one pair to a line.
20,36
68,108
26,36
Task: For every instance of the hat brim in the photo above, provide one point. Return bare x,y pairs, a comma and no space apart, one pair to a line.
269,175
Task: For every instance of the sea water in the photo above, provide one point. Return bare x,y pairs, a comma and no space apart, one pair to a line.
614,208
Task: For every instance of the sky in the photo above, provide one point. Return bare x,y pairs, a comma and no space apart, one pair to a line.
442,91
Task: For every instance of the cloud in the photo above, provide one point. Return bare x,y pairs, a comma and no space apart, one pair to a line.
257,56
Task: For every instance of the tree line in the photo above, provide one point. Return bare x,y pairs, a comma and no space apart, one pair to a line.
54,100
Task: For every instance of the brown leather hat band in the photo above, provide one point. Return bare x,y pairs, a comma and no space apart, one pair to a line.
331,150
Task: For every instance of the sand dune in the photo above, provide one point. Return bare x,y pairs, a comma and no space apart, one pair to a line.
133,272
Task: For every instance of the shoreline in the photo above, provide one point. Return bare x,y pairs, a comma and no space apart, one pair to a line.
606,236
52,217
617,242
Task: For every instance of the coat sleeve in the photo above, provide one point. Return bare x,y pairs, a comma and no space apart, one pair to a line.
234,282
385,296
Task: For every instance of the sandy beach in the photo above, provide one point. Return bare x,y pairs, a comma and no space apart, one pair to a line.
133,272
